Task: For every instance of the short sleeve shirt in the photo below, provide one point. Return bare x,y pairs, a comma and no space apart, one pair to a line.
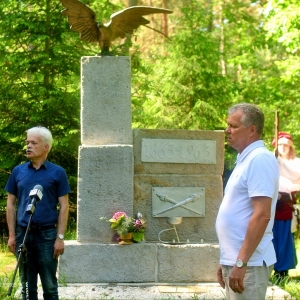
54,181
256,174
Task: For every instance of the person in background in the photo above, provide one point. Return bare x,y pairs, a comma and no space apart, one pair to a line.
246,215
289,184
45,239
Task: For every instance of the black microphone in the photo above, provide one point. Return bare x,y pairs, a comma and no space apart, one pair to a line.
36,195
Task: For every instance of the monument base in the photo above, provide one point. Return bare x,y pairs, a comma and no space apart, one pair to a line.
136,263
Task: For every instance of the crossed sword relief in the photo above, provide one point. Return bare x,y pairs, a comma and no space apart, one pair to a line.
182,203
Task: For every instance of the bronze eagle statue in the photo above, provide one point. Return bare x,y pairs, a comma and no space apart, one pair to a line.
83,20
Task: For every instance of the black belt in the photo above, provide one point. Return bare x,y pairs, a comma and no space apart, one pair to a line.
36,228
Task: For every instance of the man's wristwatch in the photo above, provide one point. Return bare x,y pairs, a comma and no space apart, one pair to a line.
60,236
240,264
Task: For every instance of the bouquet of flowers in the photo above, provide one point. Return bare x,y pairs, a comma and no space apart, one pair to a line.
124,225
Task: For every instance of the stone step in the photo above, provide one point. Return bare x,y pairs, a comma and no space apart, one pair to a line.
208,291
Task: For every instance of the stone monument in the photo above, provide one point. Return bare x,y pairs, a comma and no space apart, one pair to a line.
173,177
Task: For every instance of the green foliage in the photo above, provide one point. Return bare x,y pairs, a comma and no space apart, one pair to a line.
40,82
122,225
139,236
283,23
36,68
185,84
267,69
283,33
7,266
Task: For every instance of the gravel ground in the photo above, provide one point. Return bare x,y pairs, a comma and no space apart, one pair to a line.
207,291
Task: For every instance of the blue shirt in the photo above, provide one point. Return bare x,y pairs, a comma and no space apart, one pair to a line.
54,181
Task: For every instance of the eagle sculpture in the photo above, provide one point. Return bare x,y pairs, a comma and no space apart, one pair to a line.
83,20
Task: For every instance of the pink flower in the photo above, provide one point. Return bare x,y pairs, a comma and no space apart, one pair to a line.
119,214
138,224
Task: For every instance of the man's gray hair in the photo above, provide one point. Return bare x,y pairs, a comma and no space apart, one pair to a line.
252,115
44,133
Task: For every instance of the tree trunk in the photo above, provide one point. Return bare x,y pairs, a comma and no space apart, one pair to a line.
128,36
221,45
165,20
152,23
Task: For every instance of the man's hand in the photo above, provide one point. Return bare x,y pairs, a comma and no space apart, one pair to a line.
11,244
59,248
220,277
11,221
236,279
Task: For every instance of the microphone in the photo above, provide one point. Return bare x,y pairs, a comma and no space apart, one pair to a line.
36,195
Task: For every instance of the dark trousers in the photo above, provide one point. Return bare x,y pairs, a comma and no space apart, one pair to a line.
39,245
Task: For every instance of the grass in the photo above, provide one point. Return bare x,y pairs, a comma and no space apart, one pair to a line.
291,284
7,263
7,267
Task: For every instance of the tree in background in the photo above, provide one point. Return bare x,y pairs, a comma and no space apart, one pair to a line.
283,37
186,82
217,53
40,81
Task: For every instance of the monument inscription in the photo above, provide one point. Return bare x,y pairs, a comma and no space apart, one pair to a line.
178,151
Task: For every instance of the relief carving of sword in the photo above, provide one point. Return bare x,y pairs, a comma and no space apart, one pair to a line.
182,203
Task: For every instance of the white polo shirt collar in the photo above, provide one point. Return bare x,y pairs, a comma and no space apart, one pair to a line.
248,149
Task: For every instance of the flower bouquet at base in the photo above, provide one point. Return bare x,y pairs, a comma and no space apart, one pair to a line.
129,229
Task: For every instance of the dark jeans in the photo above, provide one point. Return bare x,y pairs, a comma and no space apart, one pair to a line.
39,245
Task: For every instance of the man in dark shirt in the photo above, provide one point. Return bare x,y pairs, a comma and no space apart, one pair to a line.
45,239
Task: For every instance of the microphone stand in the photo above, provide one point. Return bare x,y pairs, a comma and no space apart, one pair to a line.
22,253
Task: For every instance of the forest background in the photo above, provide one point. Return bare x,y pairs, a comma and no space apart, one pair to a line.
186,73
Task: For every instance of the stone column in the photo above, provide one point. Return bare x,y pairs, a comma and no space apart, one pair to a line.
105,167
105,100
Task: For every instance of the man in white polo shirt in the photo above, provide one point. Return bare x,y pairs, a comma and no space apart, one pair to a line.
246,215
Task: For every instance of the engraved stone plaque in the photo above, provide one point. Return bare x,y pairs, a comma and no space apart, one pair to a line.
179,151
178,202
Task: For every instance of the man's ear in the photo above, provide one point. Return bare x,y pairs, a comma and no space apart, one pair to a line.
46,147
253,129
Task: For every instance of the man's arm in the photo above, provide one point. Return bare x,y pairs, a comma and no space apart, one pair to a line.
255,231
59,245
11,221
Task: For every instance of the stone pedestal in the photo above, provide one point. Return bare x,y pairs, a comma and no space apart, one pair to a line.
142,262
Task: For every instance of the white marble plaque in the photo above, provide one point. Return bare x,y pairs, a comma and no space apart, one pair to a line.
179,151
178,202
